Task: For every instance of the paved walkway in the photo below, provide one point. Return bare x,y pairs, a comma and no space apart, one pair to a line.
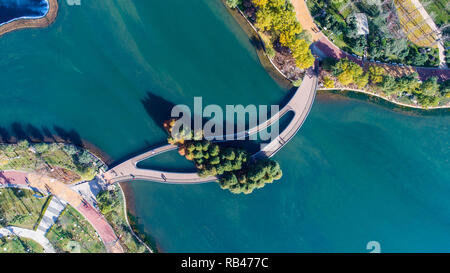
64,192
90,189
30,234
300,104
52,213
306,20
329,49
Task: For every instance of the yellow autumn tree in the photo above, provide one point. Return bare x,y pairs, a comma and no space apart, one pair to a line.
260,3
362,80
328,82
277,18
346,77
348,72
376,74
287,27
301,53
264,19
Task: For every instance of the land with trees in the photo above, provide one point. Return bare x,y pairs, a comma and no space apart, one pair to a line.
21,207
447,52
439,10
385,42
72,233
406,89
235,169
112,205
65,162
15,244
285,42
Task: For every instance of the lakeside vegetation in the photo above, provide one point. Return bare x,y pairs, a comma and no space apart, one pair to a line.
406,89
72,233
112,205
64,162
281,33
235,169
67,163
15,244
384,42
21,207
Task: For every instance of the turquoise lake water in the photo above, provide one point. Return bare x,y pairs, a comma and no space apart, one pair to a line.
107,72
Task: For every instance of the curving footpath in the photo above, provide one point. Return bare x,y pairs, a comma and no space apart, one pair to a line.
30,234
300,104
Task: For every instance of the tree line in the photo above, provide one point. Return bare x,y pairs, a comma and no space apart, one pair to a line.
277,19
380,43
428,93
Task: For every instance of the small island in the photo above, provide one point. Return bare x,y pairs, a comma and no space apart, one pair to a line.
234,168
59,197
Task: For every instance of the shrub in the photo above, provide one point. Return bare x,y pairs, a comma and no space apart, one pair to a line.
233,3
270,52
297,83
328,82
376,74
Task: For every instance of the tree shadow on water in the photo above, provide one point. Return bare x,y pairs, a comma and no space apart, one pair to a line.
34,133
158,108
256,42
68,136
4,135
17,132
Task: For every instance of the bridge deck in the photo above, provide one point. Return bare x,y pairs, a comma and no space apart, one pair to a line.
300,104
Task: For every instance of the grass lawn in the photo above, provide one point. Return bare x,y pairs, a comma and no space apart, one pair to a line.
115,214
18,207
19,245
72,233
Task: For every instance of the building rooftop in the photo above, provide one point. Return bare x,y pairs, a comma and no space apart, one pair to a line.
361,22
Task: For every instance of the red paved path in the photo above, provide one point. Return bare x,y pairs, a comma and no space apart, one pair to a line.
96,219
332,51
13,178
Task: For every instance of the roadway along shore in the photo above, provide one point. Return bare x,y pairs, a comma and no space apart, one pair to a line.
45,21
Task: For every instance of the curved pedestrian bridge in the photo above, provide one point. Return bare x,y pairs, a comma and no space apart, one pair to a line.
300,104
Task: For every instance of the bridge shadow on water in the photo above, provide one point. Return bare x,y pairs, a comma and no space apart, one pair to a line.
159,109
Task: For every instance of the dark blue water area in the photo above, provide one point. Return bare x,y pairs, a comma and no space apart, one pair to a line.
11,10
